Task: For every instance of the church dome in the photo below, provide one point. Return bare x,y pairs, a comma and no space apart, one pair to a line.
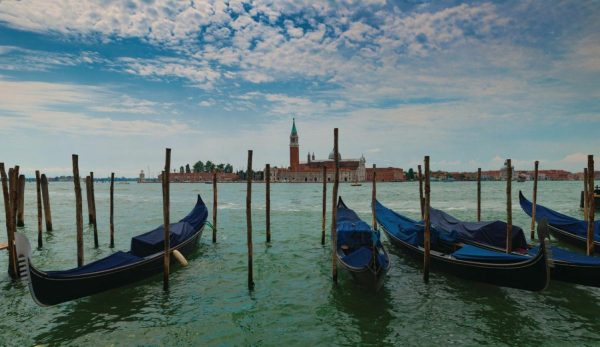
332,157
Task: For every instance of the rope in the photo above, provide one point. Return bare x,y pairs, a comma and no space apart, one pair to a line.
210,225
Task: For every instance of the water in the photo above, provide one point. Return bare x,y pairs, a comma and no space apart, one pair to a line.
294,301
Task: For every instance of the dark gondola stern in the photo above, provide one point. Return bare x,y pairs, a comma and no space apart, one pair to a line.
543,236
26,269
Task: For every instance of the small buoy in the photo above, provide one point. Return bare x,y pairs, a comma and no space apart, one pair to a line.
180,258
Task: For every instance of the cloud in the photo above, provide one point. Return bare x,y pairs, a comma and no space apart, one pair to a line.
199,74
61,108
14,58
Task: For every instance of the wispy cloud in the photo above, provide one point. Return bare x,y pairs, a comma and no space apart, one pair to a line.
61,108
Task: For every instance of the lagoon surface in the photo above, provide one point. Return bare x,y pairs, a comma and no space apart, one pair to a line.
294,301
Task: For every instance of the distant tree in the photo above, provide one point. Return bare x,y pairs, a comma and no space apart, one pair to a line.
221,167
209,166
181,169
228,168
411,174
199,166
187,168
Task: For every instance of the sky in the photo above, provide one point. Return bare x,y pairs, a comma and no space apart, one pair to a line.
468,83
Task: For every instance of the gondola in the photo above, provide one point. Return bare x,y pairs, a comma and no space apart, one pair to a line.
568,229
359,248
144,259
466,261
568,266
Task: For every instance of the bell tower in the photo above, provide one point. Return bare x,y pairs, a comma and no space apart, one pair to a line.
294,148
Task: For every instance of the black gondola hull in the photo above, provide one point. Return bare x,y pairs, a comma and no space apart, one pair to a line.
572,239
532,275
48,291
588,275
366,277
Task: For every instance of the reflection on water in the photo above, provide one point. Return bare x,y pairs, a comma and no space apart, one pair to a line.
294,301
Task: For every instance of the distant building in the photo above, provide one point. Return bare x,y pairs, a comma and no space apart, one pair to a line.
351,170
192,177
504,171
142,177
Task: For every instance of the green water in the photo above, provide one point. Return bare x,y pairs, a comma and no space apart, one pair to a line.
294,301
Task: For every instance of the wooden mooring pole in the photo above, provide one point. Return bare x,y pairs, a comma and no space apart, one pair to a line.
508,206
534,205
427,233
46,202
112,210
585,194
374,197
421,199
12,256
214,210
94,221
268,200
590,206
13,181
249,219
336,182
167,234
88,195
479,194
21,203
78,210
38,190
324,210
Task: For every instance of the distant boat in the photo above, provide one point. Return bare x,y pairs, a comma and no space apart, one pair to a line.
596,198
521,177
144,259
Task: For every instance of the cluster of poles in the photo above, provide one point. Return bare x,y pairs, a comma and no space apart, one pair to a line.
13,186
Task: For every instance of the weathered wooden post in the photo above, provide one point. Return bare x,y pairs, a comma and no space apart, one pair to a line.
88,194
535,183
214,211
46,202
336,182
421,199
324,215
93,198
78,210
167,234
508,206
12,256
13,179
479,194
427,233
21,203
268,200
249,219
374,197
112,210
590,206
585,194
38,190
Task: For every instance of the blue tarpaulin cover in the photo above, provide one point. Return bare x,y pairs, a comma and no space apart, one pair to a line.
359,237
153,241
114,260
559,220
491,233
568,256
409,230
472,253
